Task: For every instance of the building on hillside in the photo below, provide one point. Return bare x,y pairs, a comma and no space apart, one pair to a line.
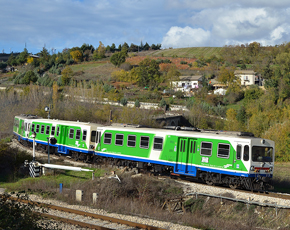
187,83
248,77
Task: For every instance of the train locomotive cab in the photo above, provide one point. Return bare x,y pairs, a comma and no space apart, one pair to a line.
262,161
257,156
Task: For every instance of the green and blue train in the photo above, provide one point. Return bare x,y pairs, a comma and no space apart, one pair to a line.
235,159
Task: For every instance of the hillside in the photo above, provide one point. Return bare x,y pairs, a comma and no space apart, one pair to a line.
190,52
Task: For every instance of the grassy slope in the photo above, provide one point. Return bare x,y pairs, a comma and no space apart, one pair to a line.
189,52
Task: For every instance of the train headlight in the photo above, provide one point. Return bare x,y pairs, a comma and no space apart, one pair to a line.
252,168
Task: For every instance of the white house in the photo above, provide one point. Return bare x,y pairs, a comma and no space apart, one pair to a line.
187,83
248,77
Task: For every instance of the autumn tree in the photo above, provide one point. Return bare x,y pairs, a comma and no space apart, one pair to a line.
76,55
99,53
66,75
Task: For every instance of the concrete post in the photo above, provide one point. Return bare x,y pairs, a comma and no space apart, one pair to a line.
79,195
95,197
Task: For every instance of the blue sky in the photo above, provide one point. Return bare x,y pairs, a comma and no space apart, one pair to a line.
59,24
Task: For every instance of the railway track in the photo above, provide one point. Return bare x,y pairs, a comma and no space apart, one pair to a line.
89,220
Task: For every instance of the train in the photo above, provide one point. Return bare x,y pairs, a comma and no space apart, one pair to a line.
227,158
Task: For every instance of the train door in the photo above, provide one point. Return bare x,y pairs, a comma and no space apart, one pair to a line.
191,156
237,158
185,155
98,139
63,135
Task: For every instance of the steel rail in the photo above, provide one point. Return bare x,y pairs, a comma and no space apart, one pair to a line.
88,214
73,222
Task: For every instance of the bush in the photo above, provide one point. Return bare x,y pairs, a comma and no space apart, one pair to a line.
123,101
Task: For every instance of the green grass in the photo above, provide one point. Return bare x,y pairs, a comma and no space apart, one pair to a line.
189,52
60,176
281,177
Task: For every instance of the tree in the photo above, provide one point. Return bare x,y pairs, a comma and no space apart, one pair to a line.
29,76
124,101
76,55
172,75
22,57
133,48
148,73
66,75
11,60
113,48
146,46
118,58
100,52
137,103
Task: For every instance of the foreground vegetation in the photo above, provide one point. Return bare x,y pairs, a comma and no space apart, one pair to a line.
142,196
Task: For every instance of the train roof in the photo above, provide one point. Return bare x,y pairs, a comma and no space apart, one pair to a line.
44,120
183,131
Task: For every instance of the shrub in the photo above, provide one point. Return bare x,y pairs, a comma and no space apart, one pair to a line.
123,101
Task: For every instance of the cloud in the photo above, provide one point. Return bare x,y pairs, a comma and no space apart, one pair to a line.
178,37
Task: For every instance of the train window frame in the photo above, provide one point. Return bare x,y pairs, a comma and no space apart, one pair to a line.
219,151
239,152
57,131
32,127
47,130
85,132
78,134
131,141
118,140
146,144
71,133
203,149
37,128
93,135
52,132
158,146
246,154
42,129
107,140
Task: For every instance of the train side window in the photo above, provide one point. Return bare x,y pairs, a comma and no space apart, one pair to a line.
32,127
223,150
25,126
47,130
107,138
192,147
52,130
84,135
131,141
246,153
93,136
206,148
37,129
158,143
42,129
239,152
71,133
78,134
119,139
144,143
57,131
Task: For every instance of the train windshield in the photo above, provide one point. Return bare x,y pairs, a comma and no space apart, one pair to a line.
262,154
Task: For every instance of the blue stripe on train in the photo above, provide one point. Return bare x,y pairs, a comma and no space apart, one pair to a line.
182,169
61,148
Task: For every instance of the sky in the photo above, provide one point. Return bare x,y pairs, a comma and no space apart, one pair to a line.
60,24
